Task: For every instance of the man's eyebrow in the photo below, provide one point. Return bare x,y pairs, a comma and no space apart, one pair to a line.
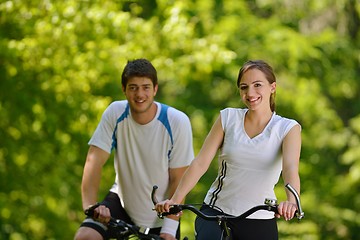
135,85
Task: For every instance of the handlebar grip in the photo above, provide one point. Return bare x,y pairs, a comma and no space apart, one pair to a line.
174,209
90,211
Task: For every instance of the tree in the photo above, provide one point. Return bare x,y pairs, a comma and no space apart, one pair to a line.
60,67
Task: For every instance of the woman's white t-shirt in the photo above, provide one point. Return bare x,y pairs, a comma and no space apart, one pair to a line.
249,168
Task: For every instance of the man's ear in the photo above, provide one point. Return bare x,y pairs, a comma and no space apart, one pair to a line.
156,89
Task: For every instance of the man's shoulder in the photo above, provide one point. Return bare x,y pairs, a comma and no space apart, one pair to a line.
121,103
174,115
118,106
172,111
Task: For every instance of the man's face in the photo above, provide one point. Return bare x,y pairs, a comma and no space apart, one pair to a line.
140,93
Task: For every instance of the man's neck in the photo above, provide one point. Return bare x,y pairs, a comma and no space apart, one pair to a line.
145,117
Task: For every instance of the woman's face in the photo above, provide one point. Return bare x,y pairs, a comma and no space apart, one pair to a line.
255,89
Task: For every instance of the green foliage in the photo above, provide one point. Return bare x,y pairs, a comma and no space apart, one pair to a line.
60,65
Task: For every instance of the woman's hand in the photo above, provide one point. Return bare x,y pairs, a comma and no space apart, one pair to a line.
164,206
287,210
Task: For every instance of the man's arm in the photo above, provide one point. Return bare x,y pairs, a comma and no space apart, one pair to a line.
90,184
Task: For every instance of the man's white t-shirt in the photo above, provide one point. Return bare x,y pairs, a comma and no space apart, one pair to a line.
143,155
249,168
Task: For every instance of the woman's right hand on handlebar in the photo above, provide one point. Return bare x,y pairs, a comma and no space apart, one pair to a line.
164,206
287,210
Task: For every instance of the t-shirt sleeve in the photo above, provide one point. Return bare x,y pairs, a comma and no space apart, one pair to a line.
289,124
228,115
224,115
103,135
182,153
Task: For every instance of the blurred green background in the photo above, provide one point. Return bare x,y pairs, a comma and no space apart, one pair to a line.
60,66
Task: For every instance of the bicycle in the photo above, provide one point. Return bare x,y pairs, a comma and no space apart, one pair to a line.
124,230
269,205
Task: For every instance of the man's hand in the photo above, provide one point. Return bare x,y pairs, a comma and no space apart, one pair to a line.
167,236
102,214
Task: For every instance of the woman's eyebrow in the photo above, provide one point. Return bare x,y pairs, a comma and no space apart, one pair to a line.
256,81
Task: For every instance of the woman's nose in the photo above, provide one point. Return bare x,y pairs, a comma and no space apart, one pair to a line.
250,91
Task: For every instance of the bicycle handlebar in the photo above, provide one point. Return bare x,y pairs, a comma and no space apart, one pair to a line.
269,205
122,228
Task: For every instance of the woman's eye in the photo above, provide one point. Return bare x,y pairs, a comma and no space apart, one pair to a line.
243,87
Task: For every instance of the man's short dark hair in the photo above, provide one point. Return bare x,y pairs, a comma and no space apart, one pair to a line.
139,68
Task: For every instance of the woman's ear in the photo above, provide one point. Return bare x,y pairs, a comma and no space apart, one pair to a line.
273,87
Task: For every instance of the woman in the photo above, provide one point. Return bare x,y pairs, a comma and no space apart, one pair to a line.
256,146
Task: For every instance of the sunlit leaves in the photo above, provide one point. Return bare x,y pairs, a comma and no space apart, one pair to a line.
60,67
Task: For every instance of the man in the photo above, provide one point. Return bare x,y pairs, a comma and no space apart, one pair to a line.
153,146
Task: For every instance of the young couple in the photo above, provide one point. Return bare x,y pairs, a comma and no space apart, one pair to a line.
153,146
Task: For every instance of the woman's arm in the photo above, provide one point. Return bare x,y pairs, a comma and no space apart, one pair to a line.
198,166
291,155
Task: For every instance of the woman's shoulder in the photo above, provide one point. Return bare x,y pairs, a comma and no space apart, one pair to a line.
231,110
231,116
283,119
284,122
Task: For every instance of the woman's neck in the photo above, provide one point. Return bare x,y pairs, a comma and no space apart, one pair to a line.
256,122
259,117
